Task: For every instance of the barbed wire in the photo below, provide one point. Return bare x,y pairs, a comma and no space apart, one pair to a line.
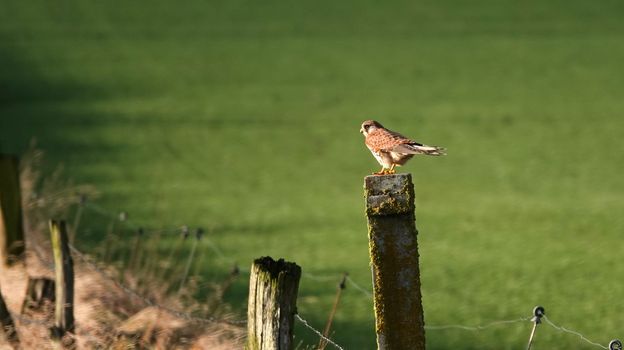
305,323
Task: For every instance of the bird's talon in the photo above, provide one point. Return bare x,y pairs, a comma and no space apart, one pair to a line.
385,172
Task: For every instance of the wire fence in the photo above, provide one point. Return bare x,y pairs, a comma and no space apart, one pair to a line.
184,232
612,346
478,327
131,292
317,332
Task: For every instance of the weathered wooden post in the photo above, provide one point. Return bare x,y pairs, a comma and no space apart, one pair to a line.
64,283
8,331
11,226
273,287
393,249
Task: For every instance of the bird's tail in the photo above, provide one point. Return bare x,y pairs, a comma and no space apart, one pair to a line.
417,148
433,150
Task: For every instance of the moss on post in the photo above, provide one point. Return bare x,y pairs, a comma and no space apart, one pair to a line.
394,261
273,288
11,226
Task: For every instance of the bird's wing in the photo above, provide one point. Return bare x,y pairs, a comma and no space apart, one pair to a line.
386,140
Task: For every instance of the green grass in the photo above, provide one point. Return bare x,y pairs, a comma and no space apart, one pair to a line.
242,117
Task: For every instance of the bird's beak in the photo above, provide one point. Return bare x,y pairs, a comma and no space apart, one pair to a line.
361,130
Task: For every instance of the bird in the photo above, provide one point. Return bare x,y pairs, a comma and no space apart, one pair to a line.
392,149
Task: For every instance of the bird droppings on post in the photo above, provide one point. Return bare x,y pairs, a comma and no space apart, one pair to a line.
394,256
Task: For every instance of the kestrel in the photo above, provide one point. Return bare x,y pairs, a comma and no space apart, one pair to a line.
392,149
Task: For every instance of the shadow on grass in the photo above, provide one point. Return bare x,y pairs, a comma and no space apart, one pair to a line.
35,105
31,106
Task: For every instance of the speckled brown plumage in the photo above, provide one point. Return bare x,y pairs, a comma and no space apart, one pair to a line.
392,149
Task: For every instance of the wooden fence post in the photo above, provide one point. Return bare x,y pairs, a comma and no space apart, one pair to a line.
399,320
273,287
11,226
8,327
64,274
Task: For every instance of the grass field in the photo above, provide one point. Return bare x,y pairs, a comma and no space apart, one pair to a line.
243,117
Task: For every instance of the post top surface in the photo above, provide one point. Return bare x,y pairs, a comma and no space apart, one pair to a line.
389,194
387,183
274,268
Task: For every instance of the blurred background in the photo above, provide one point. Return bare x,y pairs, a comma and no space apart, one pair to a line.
242,118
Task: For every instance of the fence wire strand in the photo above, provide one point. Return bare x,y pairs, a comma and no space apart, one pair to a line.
305,323
477,328
565,330
321,278
359,288
115,216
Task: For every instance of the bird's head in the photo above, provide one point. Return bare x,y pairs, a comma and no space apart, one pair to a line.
369,126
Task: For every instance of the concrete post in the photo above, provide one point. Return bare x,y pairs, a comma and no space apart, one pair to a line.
394,260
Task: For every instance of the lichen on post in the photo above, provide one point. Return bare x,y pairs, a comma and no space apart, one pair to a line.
393,250
273,288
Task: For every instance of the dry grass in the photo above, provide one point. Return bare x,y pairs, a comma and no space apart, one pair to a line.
106,315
